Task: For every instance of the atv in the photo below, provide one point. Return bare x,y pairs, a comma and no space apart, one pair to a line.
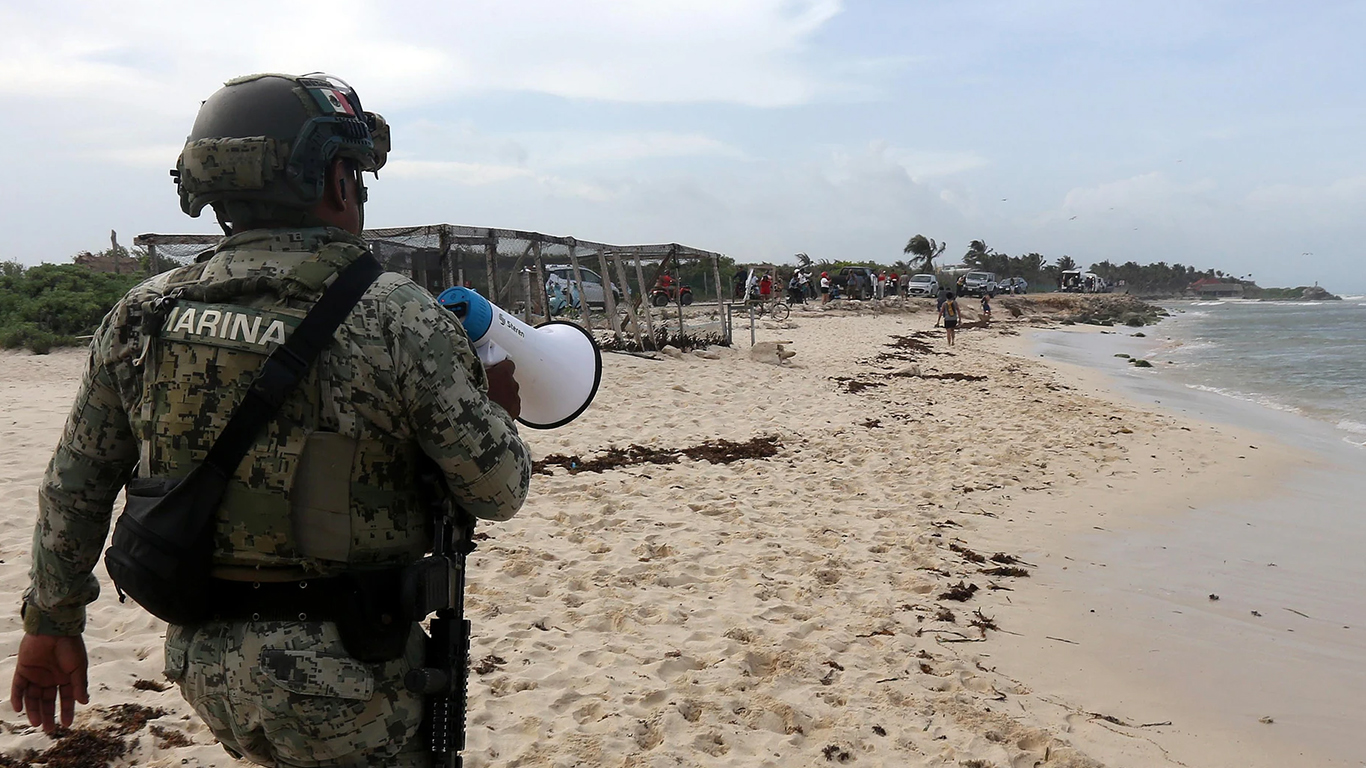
663,295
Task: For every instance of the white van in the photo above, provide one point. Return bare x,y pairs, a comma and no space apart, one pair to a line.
563,274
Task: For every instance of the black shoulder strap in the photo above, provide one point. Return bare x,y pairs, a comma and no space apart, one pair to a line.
289,362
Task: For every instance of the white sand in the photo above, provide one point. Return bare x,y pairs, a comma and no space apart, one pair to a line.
766,612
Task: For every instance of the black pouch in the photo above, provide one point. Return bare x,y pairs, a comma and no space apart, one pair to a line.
374,627
161,554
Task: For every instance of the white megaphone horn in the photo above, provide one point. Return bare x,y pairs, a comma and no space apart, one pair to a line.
558,363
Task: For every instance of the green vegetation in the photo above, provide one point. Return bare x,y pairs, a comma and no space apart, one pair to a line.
51,304
1160,279
1280,294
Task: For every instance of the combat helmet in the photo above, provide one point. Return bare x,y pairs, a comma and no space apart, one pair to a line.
261,146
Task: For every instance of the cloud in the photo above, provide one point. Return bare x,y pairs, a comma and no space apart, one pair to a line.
927,164
640,51
467,174
151,155
1150,197
584,148
1311,206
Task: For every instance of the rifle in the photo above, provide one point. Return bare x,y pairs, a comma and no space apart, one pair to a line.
439,581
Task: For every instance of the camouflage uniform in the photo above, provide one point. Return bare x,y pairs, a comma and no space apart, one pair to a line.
328,488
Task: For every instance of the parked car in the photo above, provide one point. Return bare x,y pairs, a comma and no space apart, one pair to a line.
563,275
1012,285
979,283
852,289
923,285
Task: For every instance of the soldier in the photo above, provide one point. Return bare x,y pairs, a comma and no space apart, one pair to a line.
327,493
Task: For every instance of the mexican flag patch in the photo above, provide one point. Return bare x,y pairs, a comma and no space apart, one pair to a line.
332,101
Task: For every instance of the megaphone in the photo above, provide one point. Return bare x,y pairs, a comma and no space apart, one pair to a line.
559,365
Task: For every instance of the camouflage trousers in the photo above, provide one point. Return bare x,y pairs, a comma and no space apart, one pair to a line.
287,694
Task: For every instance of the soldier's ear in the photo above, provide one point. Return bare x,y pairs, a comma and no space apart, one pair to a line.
335,193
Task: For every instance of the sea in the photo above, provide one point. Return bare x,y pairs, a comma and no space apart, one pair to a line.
1302,357
1269,589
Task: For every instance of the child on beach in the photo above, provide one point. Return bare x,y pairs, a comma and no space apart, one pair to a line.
825,287
986,307
948,312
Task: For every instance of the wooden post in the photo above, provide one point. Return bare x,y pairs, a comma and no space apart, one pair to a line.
630,305
578,280
645,302
516,269
526,291
609,302
678,294
153,263
443,237
720,299
491,254
540,279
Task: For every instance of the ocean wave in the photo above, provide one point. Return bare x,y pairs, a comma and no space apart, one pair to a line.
1356,427
1186,348
1247,397
1350,441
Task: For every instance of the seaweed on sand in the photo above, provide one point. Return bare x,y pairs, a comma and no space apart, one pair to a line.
714,451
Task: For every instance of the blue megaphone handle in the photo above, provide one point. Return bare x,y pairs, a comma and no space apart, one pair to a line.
475,311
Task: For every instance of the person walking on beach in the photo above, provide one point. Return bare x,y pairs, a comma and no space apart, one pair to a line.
301,655
986,307
948,312
825,287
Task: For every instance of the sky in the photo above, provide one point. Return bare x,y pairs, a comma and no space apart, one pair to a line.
1225,135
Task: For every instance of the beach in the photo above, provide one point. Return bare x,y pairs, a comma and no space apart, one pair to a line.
881,551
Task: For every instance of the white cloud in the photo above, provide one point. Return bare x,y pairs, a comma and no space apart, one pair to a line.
927,164
1153,197
1311,206
467,174
738,51
152,155
582,148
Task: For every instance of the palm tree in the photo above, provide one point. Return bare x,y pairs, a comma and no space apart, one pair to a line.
926,249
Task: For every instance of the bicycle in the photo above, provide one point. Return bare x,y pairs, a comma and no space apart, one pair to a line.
777,309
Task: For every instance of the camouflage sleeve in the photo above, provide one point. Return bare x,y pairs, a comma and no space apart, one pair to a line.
444,393
96,456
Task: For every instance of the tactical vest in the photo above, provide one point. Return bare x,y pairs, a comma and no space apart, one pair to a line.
326,487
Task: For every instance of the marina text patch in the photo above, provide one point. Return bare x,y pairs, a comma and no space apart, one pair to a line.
228,325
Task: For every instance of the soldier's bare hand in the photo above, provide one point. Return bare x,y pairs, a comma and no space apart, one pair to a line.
49,665
503,388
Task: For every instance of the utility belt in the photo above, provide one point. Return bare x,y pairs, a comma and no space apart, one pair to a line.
374,610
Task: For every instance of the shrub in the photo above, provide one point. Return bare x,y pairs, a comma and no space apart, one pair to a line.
51,304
